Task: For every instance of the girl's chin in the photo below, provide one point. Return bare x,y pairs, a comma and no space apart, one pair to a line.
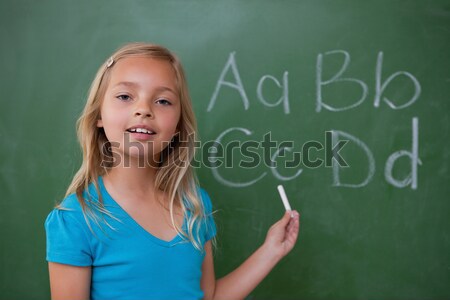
137,156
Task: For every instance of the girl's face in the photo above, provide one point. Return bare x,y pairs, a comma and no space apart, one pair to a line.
141,108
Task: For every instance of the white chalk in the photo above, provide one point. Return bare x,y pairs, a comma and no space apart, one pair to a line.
284,197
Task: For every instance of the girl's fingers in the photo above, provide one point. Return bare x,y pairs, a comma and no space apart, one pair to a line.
285,231
293,227
293,221
286,218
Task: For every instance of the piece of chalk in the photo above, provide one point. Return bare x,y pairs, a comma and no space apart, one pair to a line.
284,197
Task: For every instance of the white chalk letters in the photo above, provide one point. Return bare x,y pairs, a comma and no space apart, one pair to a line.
379,85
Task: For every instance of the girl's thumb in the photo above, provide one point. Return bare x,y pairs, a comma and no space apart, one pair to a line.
287,216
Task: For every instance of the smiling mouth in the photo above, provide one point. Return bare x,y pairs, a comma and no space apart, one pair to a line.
141,130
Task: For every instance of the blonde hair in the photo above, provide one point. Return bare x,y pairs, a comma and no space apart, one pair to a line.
175,175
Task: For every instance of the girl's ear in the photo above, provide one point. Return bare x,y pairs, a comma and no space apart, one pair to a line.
99,123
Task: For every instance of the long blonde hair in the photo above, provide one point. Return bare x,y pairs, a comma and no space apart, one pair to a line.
175,175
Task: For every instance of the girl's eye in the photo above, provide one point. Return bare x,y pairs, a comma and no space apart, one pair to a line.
124,97
163,102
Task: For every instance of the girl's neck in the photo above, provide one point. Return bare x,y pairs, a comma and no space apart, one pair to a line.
136,181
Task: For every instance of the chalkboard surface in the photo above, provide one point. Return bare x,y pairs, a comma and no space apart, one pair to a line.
313,74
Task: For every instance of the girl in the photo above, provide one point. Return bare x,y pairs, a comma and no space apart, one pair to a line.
134,223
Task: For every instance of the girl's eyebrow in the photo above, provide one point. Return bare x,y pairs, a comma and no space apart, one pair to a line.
134,84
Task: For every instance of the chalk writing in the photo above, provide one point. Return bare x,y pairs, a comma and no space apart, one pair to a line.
338,136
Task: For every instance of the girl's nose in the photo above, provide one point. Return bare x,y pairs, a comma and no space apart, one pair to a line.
143,111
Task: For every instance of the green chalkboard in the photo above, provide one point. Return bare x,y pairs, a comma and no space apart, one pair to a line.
373,73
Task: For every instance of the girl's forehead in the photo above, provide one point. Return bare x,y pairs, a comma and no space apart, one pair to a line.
143,70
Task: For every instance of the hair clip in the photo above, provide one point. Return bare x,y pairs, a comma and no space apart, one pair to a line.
109,62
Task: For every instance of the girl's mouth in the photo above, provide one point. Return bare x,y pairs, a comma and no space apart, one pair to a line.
141,130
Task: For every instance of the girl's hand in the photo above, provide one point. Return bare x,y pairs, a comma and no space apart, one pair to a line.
282,235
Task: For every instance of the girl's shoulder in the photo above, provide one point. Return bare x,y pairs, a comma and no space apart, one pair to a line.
202,197
206,200
69,214
70,203
68,235
202,192
68,208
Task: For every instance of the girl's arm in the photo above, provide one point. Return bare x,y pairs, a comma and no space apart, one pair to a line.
238,284
69,282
